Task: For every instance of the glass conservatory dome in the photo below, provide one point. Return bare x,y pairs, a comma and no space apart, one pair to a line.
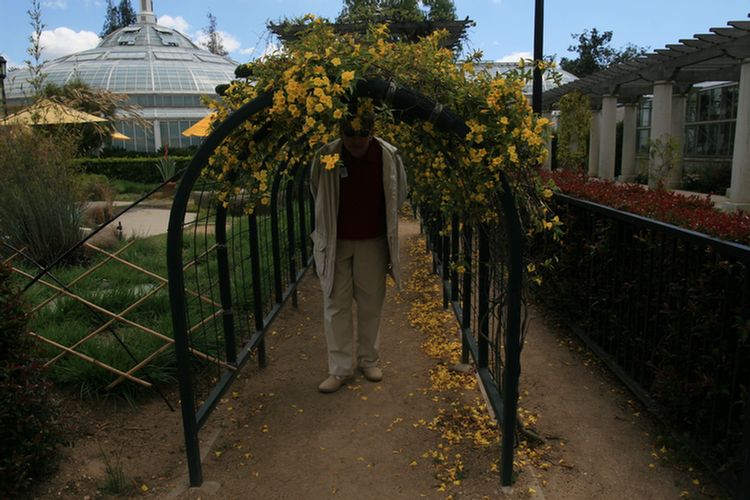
159,69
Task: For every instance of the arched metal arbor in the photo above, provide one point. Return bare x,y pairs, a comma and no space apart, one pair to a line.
231,273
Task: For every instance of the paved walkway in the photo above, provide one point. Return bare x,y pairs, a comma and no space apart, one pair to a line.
279,438
145,220
718,200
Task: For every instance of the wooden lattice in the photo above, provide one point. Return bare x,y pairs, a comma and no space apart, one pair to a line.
111,318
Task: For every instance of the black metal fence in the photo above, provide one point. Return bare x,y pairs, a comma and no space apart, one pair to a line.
482,272
667,310
229,275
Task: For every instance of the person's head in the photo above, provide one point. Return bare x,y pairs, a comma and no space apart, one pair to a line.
356,135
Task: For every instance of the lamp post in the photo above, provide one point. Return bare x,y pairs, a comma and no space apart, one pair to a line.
536,98
3,64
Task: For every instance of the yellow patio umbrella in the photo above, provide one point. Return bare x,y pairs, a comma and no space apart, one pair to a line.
200,129
46,112
121,137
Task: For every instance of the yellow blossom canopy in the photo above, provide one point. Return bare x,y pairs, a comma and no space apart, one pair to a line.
454,164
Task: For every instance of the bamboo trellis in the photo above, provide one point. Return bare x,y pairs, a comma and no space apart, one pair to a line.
110,319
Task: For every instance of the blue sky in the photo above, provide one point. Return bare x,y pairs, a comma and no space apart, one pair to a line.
504,28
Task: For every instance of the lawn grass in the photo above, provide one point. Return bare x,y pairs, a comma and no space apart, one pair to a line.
115,287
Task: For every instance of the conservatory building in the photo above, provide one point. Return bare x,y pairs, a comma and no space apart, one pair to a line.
158,68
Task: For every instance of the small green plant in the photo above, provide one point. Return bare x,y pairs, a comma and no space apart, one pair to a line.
115,482
167,167
663,157
575,125
96,188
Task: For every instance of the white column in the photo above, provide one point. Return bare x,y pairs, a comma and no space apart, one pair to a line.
594,143
679,107
739,196
661,128
548,164
628,143
157,135
608,137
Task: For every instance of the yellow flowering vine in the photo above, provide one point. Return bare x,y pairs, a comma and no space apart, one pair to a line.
313,81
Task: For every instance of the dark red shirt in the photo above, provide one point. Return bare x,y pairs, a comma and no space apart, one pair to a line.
361,195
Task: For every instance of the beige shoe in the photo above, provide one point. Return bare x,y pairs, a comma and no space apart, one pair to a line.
333,383
372,373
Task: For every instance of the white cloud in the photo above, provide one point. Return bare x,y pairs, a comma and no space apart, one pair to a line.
515,57
230,43
63,41
56,4
177,23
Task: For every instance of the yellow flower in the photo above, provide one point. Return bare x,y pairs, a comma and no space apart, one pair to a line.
329,161
346,78
336,61
309,124
337,114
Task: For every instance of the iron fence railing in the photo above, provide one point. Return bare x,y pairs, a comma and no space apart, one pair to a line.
667,310
482,272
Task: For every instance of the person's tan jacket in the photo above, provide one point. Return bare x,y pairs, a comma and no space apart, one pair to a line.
324,185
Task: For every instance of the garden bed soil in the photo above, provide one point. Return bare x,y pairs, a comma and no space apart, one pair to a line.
275,436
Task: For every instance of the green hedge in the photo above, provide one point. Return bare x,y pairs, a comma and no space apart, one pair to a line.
128,169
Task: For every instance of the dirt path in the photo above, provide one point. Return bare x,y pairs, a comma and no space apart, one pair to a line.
276,437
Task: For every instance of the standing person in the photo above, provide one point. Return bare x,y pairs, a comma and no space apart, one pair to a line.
356,244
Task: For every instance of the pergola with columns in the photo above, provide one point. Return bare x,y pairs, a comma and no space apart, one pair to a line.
668,75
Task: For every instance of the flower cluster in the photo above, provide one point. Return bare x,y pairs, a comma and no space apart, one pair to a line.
313,81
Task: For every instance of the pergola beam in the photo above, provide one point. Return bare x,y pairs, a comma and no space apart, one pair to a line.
715,56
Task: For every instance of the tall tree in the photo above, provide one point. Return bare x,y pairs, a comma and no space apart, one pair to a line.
595,54
127,14
36,67
214,43
116,108
441,10
111,20
118,17
382,11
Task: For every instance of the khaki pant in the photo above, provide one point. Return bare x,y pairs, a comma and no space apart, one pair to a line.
359,276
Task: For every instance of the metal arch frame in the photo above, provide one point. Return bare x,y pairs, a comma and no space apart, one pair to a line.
409,105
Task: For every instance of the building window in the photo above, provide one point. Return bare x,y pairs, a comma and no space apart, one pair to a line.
643,126
710,120
171,133
128,37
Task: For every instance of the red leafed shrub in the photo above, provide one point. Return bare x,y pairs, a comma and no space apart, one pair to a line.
30,427
696,213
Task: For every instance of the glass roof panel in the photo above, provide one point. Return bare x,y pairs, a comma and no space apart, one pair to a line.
174,55
122,54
